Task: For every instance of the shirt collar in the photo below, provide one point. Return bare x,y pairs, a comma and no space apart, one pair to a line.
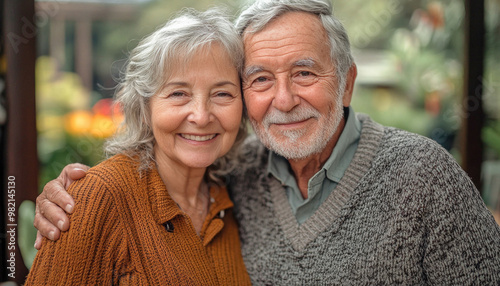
164,208
334,167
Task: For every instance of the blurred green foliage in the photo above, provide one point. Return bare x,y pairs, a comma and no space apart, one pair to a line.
491,135
58,94
114,40
27,232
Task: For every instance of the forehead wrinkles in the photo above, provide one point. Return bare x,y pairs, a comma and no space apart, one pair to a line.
287,35
270,53
265,43
293,25
284,51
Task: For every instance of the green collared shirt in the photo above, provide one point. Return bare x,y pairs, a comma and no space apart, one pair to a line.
321,185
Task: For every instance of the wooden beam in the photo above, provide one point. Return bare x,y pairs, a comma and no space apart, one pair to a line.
83,52
56,42
473,113
74,11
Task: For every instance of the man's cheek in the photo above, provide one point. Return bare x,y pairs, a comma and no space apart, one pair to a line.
257,105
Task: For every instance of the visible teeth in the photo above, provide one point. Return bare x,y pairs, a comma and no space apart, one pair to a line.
198,138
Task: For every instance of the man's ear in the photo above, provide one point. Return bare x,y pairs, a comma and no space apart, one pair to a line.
349,85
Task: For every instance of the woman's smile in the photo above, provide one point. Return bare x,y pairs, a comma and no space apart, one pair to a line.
198,138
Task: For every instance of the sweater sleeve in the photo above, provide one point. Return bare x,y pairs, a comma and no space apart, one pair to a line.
93,251
463,240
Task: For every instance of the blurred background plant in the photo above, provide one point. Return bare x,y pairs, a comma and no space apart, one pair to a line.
72,123
72,126
420,50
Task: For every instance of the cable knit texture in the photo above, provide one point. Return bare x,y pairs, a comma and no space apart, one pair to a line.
118,235
403,213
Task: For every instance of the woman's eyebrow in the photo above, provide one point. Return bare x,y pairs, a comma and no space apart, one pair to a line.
226,82
177,83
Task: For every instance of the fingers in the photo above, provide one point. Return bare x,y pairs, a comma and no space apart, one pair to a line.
50,218
45,228
38,240
54,194
53,213
56,190
73,172
51,204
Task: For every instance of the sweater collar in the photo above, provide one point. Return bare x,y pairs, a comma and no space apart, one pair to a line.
334,167
332,212
164,208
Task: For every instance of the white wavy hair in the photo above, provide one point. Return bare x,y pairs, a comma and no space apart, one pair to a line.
145,75
255,18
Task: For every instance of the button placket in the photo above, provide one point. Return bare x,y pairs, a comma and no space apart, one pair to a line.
169,226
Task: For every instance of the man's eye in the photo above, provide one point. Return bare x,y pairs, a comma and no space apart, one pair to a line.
305,78
259,83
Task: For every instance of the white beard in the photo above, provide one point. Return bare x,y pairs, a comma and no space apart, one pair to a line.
294,144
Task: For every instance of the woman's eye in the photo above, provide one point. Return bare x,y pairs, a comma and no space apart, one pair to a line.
224,94
177,93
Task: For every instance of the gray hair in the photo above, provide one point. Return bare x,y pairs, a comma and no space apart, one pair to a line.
255,18
145,76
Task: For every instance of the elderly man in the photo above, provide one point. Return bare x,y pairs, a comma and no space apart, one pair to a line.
328,196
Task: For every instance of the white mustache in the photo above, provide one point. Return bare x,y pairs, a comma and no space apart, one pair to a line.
297,114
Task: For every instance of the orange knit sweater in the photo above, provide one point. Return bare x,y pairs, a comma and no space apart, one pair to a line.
127,230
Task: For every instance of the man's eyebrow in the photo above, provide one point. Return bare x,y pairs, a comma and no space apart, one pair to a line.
305,63
251,70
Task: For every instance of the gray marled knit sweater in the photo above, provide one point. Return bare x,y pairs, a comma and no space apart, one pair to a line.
404,213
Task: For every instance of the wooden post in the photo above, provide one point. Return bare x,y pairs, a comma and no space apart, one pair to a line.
20,174
473,113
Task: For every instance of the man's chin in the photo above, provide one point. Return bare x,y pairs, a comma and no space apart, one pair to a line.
291,146
293,149
294,155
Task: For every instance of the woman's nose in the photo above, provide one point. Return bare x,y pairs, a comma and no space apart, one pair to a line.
201,113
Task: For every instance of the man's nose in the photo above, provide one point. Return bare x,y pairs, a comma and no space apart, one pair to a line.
285,98
201,113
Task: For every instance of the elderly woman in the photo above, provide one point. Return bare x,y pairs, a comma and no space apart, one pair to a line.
157,212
